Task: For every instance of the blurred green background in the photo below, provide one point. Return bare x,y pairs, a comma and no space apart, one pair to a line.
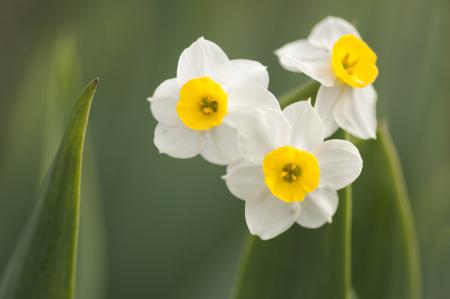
157,227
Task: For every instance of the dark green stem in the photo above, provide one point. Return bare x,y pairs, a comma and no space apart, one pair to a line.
243,265
347,235
301,93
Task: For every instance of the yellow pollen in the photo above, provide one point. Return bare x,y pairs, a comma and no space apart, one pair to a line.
354,62
208,106
290,173
202,104
207,110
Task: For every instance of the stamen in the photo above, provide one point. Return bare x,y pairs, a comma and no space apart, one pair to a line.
347,64
290,172
208,106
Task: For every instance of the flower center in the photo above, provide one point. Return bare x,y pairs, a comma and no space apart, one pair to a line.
208,106
202,104
290,173
354,62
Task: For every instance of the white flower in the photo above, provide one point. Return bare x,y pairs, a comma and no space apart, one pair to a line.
289,174
334,55
198,110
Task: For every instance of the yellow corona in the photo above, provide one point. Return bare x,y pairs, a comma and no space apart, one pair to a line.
290,173
202,104
354,62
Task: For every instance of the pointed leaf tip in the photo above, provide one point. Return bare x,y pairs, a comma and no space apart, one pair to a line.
43,262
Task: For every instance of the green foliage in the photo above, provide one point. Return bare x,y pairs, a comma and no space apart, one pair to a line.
300,263
43,264
385,254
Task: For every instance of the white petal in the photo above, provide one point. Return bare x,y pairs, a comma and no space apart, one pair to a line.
307,128
267,216
167,89
245,180
222,146
262,131
240,71
164,101
202,59
355,112
179,141
318,208
326,99
247,97
329,30
303,57
340,163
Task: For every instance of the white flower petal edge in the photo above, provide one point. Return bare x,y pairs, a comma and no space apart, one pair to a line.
179,141
222,145
243,100
261,132
164,101
267,216
206,59
303,57
250,95
340,163
318,208
307,127
329,30
202,58
326,99
245,180
239,71
355,112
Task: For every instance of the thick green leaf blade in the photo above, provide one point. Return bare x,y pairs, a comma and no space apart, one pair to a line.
300,263
43,263
385,251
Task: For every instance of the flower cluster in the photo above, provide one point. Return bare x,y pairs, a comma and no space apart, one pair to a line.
277,160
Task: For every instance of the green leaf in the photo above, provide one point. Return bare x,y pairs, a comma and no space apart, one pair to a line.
92,245
43,263
385,251
300,263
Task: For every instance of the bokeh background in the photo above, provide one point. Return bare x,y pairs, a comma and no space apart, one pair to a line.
156,227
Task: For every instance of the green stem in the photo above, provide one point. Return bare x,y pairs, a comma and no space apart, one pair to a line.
347,234
301,93
243,264
404,208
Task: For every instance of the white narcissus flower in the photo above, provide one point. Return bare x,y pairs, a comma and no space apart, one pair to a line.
197,111
335,55
289,174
